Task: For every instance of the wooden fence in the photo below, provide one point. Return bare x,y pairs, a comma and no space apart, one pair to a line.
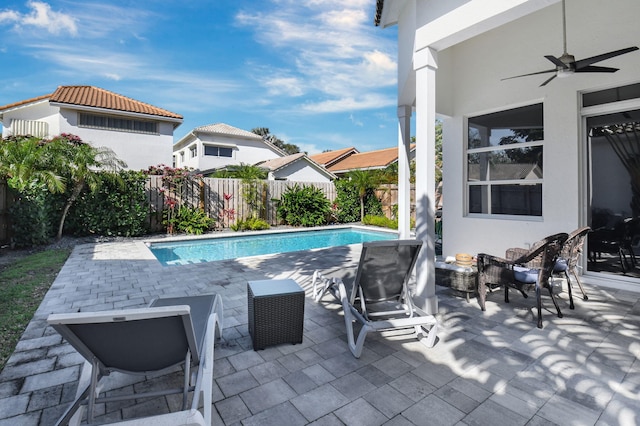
225,200
222,199
388,196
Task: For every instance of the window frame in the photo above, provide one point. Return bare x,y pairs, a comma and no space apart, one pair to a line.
117,123
491,184
218,149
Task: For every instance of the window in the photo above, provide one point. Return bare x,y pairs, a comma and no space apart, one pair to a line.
181,157
194,151
218,151
504,162
118,123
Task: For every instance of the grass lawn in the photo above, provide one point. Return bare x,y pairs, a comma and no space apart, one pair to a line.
23,284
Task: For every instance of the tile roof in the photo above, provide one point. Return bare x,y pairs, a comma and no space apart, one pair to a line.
368,160
96,97
277,163
329,157
225,129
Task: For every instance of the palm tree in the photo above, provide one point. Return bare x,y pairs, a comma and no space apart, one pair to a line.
82,164
364,181
23,163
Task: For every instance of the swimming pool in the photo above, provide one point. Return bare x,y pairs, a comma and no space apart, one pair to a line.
222,248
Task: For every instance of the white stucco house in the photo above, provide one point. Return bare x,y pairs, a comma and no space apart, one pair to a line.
139,133
297,168
214,146
455,60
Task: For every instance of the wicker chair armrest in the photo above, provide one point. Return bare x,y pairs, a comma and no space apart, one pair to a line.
485,259
522,256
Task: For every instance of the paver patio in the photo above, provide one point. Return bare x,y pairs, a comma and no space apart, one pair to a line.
493,368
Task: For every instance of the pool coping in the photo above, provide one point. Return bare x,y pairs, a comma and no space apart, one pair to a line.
225,234
182,238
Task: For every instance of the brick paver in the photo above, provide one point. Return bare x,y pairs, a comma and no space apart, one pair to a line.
494,367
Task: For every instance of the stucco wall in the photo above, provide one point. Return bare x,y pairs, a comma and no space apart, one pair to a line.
301,171
244,151
475,68
138,150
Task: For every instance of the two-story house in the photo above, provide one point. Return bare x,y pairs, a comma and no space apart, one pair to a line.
139,133
214,146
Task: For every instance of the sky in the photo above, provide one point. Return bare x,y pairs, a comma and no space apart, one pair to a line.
318,73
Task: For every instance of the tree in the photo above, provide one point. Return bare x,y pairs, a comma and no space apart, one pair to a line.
23,163
267,136
364,181
241,171
81,165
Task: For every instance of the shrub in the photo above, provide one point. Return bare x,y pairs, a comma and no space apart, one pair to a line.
31,223
382,221
115,209
189,220
304,206
251,224
348,203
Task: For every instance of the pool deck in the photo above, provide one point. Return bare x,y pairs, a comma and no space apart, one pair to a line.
492,367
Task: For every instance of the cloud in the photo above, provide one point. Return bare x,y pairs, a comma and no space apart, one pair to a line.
41,16
330,50
355,121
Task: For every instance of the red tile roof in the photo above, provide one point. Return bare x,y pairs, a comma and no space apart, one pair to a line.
329,157
96,97
368,160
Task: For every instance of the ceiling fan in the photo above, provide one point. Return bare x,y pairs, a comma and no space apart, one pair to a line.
566,64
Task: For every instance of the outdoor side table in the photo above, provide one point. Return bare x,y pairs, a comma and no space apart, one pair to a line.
276,312
463,281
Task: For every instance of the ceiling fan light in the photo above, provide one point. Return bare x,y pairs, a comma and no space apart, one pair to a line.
565,72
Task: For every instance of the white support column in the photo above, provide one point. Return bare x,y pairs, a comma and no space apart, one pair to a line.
425,64
404,174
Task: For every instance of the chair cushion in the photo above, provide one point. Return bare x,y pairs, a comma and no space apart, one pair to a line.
560,266
525,275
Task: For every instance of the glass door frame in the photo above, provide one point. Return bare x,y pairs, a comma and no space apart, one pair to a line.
584,170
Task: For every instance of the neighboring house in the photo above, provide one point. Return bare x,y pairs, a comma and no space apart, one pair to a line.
329,158
298,168
453,58
214,146
371,160
139,133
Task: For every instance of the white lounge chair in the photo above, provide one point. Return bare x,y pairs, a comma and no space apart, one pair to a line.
379,298
170,332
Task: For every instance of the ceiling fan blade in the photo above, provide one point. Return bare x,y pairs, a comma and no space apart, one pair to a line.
532,73
548,80
556,61
593,68
592,60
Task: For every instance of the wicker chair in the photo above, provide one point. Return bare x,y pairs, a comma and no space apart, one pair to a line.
567,263
516,274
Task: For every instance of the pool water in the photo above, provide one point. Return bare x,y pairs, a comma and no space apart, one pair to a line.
212,249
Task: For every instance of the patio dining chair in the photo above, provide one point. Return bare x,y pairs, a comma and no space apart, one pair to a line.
170,332
379,299
567,263
519,274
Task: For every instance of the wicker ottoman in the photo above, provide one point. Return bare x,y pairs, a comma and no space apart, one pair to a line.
276,312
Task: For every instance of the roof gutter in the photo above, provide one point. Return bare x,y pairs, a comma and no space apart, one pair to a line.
176,121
